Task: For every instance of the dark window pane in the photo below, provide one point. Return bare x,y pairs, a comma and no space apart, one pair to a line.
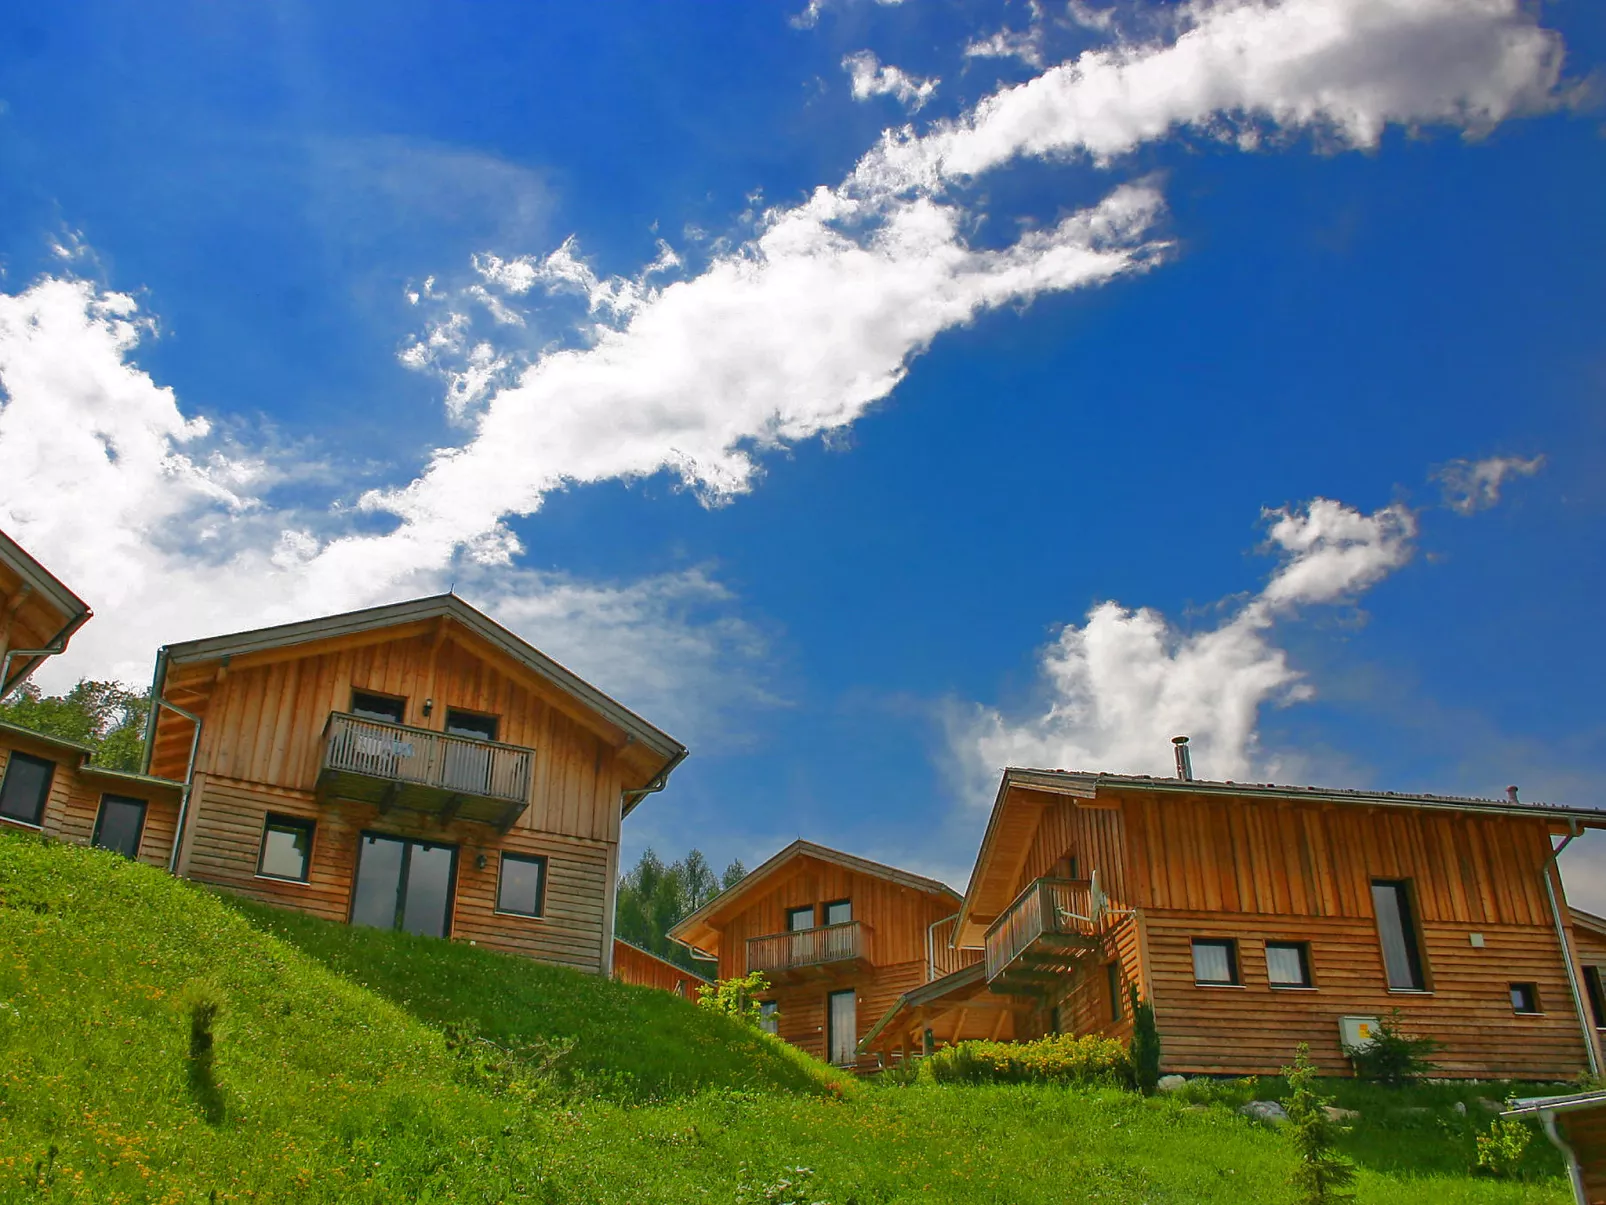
377,707
1113,972
464,723
379,871
1287,964
286,849
1396,931
26,788
1524,998
842,1022
839,912
799,918
769,1019
1597,995
1213,962
518,887
120,823
427,900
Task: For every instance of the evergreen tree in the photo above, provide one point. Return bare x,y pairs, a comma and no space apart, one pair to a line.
1322,1174
654,897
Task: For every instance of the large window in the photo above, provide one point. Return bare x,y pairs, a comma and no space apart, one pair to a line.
1215,962
1288,964
370,706
799,918
769,1016
286,849
521,885
404,885
842,1027
839,912
1396,931
1597,995
119,825
26,788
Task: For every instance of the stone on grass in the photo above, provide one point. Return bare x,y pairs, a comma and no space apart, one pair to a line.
1170,1083
1334,1113
1268,1111
1491,1106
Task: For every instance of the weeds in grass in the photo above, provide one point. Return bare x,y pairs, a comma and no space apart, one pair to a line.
1501,1149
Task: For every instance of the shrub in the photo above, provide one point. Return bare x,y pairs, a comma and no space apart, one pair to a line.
1322,1174
1393,1057
736,997
1501,1149
1059,1058
1145,1047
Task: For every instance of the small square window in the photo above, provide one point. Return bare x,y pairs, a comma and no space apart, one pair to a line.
467,723
377,707
286,849
26,788
1215,962
1288,963
1524,998
521,885
799,918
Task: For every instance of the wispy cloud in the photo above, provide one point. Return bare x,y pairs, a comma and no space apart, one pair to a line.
1473,485
810,16
868,77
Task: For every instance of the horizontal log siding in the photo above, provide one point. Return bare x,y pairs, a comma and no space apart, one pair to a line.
631,965
1255,1028
74,802
802,1007
226,837
55,822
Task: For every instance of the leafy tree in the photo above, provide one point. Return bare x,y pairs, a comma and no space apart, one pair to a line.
1322,1174
106,716
737,997
734,874
654,897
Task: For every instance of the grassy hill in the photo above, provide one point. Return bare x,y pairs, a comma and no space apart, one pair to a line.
351,1065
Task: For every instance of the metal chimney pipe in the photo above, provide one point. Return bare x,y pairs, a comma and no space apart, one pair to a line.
1184,760
1511,794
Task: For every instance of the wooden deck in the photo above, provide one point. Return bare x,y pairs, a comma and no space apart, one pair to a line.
1043,935
417,770
825,950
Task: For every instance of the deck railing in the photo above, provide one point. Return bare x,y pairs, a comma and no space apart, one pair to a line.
808,947
419,757
1048,907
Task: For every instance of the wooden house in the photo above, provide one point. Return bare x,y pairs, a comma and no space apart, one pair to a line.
38,615
1254,917
413,766
838,937
632,964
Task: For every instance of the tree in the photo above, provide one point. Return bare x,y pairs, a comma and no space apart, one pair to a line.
734,874
1322,1174
106,716
1145,1044
653,898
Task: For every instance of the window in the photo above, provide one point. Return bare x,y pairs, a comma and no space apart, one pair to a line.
404,884
1524,998
1112,975
1597,995
521,885
119,825
1215,962
1288,963
1396,930
799,918
842,1027
286,849
26,788
839,912
377,707
769,1016
466,723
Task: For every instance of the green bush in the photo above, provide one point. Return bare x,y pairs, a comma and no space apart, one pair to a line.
1500,1151
736,998
1059,1058
1393,1057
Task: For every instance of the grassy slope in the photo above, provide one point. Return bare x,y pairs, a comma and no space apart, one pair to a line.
340,1083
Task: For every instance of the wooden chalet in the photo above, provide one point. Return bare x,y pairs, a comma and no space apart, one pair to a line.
1256,917
838,937
413,766
632,964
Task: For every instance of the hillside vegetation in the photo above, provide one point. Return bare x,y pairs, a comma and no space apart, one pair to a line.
351,1065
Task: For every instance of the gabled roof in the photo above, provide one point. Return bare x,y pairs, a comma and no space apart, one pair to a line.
667,751
1092,785
42,613
660,959
700,930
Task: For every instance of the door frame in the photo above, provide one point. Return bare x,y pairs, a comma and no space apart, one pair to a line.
401,880
830,1027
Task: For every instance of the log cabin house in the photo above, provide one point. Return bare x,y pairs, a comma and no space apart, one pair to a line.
413,766
838,937
1255,917
632,964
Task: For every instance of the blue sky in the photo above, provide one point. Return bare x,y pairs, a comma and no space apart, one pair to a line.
892,340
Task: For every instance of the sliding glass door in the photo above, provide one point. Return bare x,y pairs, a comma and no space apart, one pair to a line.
404,885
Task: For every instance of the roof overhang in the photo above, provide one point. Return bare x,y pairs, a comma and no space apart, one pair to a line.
62,610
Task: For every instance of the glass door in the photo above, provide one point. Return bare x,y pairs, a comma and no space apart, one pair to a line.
842,1027
404,885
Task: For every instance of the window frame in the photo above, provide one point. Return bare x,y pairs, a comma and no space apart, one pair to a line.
1307,968
825,912
100,818
496,723
378,694
1411,936
545,863
43,805
1234,968
813,917
1531,992
284,820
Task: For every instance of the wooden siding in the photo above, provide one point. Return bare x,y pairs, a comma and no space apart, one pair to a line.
1069,828
634,965
803,1006
225,839
1085,1006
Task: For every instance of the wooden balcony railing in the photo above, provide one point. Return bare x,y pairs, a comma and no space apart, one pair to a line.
779,952
1063,913
395,765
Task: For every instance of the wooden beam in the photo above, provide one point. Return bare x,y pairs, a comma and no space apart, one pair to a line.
388,799
449,812
959,1025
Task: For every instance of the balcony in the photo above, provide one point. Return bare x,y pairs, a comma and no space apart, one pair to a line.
826,952
449,777
1042,937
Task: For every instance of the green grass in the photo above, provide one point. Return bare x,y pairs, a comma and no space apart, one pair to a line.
374,1067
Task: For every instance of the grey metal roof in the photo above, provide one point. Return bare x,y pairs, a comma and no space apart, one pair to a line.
60,742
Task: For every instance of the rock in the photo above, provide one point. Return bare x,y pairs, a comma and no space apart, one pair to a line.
1268,1111
1170,1083
1334,1113
1460,1108
1491,1106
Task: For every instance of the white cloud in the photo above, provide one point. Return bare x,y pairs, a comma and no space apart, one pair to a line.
810,16
1007,44
869,77
1122,684
1474,485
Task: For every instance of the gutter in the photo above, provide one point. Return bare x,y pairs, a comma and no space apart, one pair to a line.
56,646
1566,956
657,784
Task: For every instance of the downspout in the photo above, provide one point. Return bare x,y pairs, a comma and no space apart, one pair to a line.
659,782
1574,1172
56,646
931,947
1566,955
158,681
